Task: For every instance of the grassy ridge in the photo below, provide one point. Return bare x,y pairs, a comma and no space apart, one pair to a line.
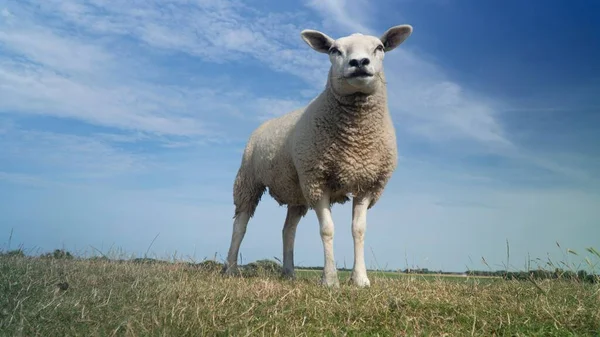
66,297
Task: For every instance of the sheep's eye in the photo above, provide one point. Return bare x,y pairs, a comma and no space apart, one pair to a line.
334,50
379,48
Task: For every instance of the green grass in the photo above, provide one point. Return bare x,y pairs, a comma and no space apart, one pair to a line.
108,298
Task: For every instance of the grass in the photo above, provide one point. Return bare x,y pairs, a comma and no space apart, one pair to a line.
98,297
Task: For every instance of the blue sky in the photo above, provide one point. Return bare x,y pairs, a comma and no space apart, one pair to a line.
123,120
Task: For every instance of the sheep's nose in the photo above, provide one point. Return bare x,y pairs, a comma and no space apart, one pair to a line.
356,63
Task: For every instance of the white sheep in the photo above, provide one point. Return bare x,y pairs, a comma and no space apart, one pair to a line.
343,143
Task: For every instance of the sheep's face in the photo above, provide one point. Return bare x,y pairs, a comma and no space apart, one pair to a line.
357,60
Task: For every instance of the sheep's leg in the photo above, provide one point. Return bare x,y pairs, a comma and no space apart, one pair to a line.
323,211
294,214
359,227
246,195
239,230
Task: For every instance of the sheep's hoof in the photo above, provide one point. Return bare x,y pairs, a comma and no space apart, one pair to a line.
361,281
330,280
288,275
335,283
230,271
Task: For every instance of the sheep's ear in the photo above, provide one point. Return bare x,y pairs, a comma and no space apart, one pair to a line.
317,40
394,36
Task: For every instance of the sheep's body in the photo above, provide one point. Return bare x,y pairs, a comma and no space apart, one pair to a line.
342,143
345,149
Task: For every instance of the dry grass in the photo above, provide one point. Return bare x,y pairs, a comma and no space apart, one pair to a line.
106,298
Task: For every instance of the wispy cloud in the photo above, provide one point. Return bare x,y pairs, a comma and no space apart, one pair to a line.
5,13
34,90
219,31
89,73
342,15
66,53
66,156
43,72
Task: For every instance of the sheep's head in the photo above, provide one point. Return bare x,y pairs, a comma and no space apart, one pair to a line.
356,60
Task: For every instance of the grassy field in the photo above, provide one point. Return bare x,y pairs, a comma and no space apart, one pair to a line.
68,297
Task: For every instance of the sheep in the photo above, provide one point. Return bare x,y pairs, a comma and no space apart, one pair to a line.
342,144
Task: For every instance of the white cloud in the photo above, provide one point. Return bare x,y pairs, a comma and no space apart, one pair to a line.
437,107
56,73
61,53
216,32
34,90
578,169
348,15
69,156
89,75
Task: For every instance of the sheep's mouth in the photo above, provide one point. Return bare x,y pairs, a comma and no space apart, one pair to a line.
360,74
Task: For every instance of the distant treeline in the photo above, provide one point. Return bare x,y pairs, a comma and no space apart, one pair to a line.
427,271
539,274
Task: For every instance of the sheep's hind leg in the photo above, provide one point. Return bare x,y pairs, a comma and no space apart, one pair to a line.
359,227
239,230
246,196
323,211
294,214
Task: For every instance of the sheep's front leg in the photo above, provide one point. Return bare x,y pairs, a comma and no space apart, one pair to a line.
359,227
323,211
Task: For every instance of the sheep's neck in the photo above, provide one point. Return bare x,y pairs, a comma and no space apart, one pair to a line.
357,108
356,119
